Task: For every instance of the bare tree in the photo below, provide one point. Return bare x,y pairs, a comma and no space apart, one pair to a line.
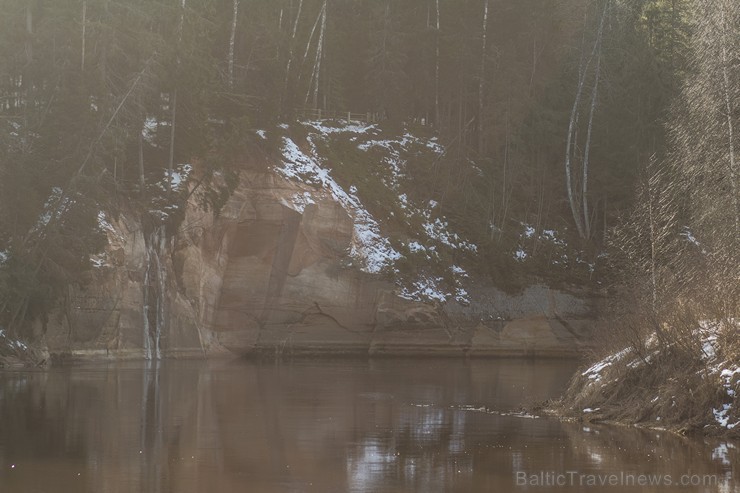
290,48
317,64
310,41
173,99
587,148
578,201
232,42
482,83
84,28
29,32
728,100
437,35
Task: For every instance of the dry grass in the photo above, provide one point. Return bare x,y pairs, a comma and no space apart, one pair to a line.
667,375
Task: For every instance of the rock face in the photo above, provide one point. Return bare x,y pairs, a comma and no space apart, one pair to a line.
262,277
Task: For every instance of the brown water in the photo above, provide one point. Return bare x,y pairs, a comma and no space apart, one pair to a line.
324,426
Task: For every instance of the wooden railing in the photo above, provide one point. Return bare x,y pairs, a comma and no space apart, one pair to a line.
308,114
319,114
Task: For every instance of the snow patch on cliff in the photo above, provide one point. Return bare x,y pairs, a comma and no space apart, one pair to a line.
372,157
428,288
373,251
342,127
164,192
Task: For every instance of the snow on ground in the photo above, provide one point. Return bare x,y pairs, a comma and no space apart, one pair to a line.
594,372
100,260
343,127
548,237
439,229
431,288
725,371
175,181
436,229
426,288
721,453
720,415
14,343
55,207
728,373
149,129
461,294
299,201
104,224
178,176
369,246
689,236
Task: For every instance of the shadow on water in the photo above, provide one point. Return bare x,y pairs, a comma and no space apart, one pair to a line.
324,426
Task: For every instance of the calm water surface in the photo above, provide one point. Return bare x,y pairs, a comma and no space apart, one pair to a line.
324,426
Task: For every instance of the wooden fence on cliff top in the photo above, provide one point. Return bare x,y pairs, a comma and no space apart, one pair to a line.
319,114
308,114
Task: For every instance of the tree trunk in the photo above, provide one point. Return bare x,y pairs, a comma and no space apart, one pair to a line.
436,71
573,200
29,33
315,75
482,84
587,149
173,99
232,41
653,242
730,129
142,183
171,161
308,46
290,52
84,29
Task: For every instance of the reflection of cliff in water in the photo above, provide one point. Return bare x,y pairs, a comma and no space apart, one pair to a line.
421,425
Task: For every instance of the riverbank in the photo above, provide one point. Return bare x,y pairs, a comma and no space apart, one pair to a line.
532,337
688,386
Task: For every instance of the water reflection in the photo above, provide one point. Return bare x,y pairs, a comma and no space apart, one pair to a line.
330,426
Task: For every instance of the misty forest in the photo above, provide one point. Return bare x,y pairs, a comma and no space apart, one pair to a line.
290,181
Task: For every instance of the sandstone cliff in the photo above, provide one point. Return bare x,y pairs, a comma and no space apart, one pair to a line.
294,263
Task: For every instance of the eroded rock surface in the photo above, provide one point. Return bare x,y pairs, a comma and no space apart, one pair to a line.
263,277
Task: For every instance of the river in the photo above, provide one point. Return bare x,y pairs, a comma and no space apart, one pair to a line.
388,425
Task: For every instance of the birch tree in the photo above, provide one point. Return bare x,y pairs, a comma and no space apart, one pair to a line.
316,73
578,201
232,41
437,35
84,37
173,97
29,32
482,83
291,45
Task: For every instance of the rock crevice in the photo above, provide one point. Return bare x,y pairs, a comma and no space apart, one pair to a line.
261,277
